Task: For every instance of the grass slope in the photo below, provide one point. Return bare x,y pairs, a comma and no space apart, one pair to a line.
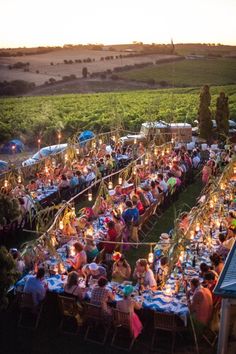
221,71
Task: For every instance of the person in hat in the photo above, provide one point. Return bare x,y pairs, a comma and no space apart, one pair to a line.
93,271
121,269
128,305
164,242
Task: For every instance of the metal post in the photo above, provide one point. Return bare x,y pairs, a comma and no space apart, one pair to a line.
224,327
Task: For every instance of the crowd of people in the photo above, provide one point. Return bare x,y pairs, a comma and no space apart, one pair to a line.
100,239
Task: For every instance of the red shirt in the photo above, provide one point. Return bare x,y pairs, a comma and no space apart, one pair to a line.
111,236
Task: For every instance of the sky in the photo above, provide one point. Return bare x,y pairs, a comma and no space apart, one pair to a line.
33,23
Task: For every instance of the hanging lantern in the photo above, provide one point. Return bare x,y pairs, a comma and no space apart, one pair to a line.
94,144
100,141
73,211
19,179
234,170
54,241
155,151
46,170
120,180
222,186
215,198
53,163
135,171
150,257
167,150
66,157
110,185
135,140
77,151
6,183
61,225
191,235
172,140
114,138
163,153
146,161
90,197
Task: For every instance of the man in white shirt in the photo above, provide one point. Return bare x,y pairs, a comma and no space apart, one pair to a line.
144,275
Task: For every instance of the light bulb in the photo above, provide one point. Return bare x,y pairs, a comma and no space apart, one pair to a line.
150,257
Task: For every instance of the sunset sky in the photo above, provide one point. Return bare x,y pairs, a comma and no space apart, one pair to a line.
57,22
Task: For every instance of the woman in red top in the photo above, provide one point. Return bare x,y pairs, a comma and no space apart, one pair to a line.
111,236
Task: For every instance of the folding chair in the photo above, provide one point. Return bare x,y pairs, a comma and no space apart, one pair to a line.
94,317
29,312
122,320
167,322
69,311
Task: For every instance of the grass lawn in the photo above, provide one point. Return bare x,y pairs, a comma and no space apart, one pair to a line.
187,199
220,71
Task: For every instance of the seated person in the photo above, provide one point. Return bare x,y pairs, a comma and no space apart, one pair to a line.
231,237
210,281
20,264
35,287
100,295
144,275
136,201
201,305
64,183
93,271
32,186
222,250
90,249
121,270
80,258
72,286
217,263
111,236
128,305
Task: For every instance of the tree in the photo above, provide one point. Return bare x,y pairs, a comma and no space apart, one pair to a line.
8,275
222,116
204,114
85,72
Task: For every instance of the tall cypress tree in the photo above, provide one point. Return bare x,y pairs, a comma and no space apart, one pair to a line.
204,114
222,116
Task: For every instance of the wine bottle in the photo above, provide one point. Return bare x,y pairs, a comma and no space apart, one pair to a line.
194,262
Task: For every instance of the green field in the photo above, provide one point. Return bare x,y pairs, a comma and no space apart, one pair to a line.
27,117
195,72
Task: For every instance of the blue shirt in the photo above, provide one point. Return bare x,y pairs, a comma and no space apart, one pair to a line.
131,215
74,181
35,287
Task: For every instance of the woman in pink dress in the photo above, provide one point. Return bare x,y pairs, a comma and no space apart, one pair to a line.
128,305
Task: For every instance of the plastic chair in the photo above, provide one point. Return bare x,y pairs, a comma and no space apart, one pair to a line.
122,320
94,317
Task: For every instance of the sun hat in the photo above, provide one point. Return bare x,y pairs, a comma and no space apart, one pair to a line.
164,236
116,256
128,289
93,266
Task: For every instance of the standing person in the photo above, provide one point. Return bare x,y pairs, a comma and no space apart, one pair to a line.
111,236
206,172
128,305
131,218
201,305
35,287
80,258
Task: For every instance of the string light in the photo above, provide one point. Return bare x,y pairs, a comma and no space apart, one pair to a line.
90,197
110,185
100,141
120,180
150,256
